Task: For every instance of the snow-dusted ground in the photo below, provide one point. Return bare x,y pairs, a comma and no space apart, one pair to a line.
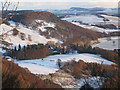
2,51
92,19
84,56
94,82
112,19
94,28
107,44
16,40
110,11
43,24
87,18
49,64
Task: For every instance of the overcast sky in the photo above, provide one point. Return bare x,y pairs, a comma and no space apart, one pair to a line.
65,4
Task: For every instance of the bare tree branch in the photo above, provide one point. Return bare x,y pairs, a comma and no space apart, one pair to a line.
5,6
9,3
14,10
6,14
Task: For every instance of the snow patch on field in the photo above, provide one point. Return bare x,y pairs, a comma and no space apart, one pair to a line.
42,25
39,66
4,28
90,58
112,19
38,69
2,51
94,28
91,19
107,43
49,64
94,82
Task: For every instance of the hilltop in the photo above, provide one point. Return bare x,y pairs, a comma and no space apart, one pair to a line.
49,25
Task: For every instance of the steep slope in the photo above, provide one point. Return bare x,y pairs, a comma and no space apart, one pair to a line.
49,24
16,35
14,76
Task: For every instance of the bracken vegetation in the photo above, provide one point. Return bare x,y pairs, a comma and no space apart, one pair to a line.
80,69
14,76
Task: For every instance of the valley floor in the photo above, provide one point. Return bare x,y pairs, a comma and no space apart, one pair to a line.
49,64
109,43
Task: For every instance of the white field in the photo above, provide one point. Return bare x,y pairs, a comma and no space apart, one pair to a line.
112,19
94,28
92,19
87,18
16,40
108,44
110,11
49,64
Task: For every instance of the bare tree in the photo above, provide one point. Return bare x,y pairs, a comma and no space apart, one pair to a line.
8,9
59,63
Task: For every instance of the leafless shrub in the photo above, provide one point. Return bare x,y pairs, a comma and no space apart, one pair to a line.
22,36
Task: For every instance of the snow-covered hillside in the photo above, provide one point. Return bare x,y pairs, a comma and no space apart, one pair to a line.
49,64
23,36
42,25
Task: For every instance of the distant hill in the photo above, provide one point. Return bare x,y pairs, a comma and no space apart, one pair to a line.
49,24
80,10
87,9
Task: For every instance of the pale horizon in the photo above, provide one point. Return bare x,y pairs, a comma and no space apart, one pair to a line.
63,4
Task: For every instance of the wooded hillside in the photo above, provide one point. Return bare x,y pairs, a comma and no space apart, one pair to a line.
66,31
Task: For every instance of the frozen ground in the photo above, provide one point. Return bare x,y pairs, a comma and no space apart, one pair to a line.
49,64
93,19
27,33
105,43
112,19
94,82
2,51
94,28
88,18
43,24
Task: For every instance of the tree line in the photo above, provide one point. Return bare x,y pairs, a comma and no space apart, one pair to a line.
41,51
30,52
109,55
